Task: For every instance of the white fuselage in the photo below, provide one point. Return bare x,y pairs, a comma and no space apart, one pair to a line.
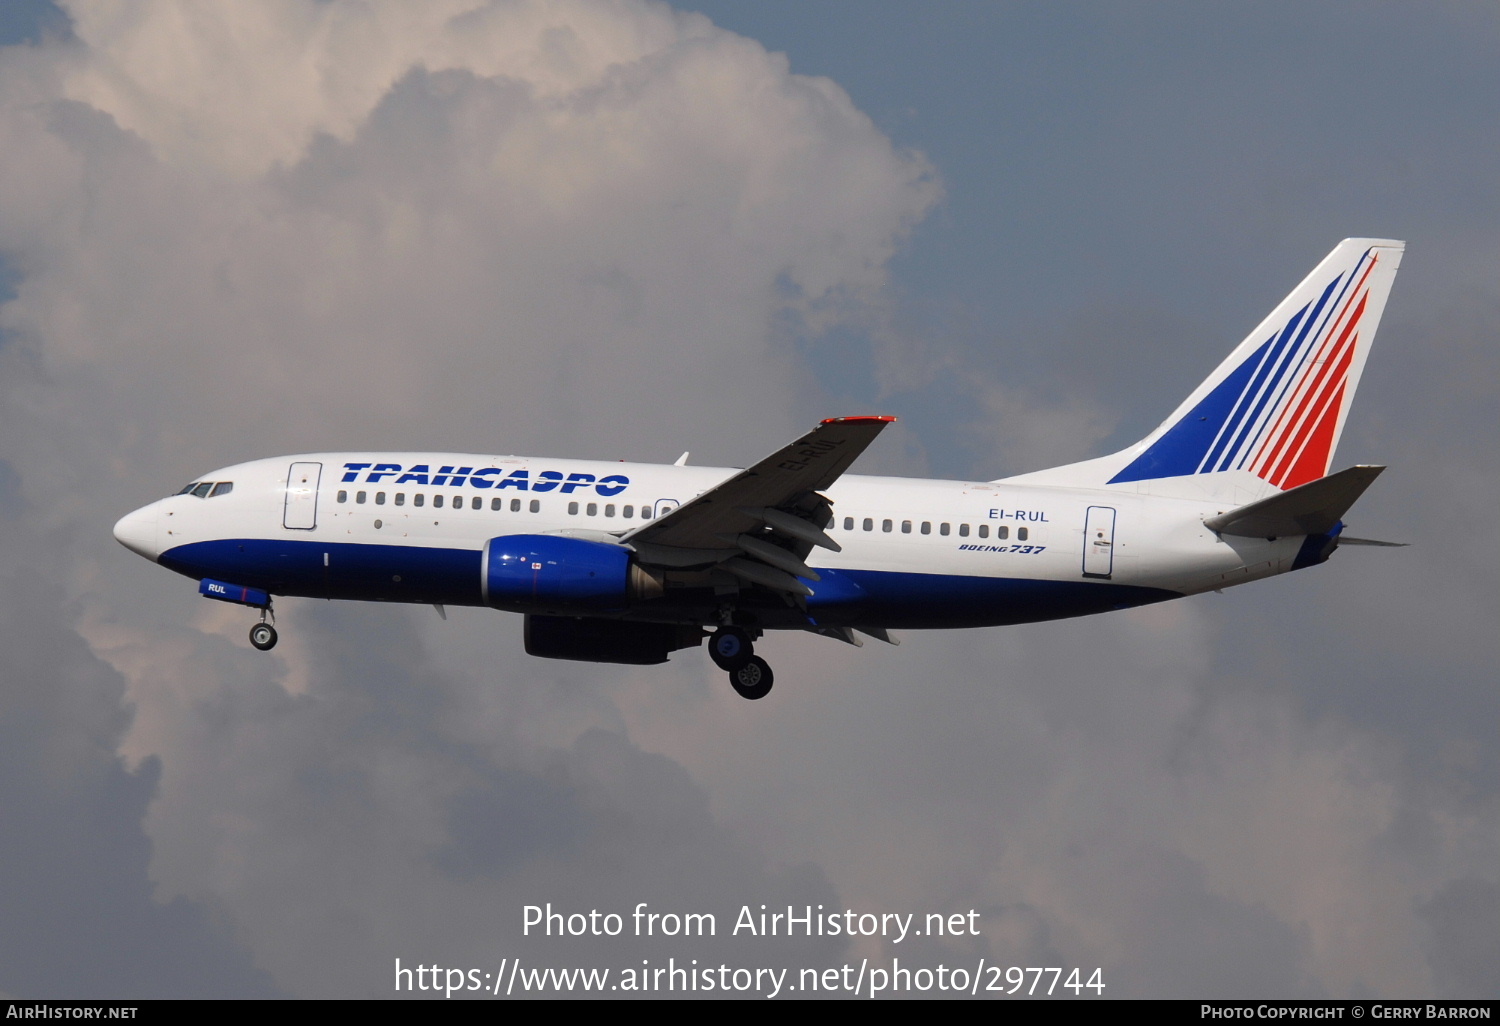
341,532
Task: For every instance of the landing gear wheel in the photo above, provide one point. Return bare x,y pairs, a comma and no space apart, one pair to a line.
753,680
730,648
263,636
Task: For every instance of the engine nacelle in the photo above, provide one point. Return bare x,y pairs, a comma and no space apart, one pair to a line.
594,640
555,572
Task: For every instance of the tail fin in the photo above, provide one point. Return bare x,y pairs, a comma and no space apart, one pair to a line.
1269,417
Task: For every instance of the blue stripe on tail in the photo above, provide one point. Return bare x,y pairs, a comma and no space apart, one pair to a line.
1180,451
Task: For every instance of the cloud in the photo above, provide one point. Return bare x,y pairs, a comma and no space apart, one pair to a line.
573,214
355,824
83,919
1465,939
307,225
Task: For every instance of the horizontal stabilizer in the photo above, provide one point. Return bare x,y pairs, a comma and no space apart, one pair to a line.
1312,508
1344,539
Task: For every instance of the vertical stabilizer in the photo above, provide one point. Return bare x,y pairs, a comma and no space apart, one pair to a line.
1269,417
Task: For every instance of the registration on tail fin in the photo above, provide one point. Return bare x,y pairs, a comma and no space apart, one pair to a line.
1269,417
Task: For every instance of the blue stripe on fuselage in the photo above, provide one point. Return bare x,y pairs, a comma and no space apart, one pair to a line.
451,576
362,572
936,601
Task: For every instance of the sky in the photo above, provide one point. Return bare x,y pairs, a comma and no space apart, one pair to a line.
624,230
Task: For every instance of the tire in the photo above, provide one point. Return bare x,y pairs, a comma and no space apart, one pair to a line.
263,636
753,680
730,648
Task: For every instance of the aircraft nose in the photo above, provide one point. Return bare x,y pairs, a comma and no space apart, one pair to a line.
137,532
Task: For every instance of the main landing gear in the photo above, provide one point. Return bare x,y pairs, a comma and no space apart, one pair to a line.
263,634
733,651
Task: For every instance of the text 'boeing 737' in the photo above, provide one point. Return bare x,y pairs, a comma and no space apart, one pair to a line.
627,563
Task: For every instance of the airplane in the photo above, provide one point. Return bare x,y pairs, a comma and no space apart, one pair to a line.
616,562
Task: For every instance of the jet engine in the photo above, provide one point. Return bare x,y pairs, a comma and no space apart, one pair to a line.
559,573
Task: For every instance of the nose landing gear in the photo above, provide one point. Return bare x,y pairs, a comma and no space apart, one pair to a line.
733,651
263,634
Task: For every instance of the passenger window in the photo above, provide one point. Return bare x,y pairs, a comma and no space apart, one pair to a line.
886,525
536,505
963,530
1002,532
628,512
984,530
458,502
359,496
943,530
419,498
1022,533
848,523
515,505
222,488
343,495
495,504
926,527
380,498
593,509
475,503
645,512
401,498
437,502
906,527
572,509
609,509
869,524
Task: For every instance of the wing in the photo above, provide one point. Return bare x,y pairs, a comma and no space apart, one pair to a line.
760,524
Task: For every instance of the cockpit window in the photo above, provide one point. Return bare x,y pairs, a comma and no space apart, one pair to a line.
207,489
